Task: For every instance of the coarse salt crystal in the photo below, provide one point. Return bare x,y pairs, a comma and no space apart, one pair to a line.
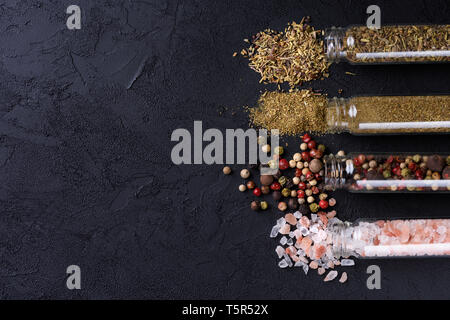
343,277
274,231
282,264
279,250
331,276
347,262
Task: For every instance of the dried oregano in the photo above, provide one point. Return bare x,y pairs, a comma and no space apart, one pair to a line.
291,113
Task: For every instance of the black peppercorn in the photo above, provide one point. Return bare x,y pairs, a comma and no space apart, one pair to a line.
255,205
303,209
435,163
276,195
293,204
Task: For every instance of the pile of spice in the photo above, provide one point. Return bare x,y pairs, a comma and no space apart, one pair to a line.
391,114
297,188
293,56
419,43
290,112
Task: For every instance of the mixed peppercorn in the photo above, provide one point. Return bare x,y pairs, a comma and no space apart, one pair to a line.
383,172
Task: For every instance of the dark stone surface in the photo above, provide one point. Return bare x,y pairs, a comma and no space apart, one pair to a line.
86,119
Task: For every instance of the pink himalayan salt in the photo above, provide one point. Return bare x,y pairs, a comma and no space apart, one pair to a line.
290,218
304,221
343,277
331,276
306,243
406,237
313,265
321,271
319,251
285,229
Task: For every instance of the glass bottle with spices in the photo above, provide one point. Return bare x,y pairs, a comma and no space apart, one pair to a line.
389,44
388,172
367,238
389,114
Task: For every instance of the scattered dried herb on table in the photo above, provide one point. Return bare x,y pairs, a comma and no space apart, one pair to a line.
291,113
406,43
293,56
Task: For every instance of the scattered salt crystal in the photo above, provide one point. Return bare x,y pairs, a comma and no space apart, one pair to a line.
347,262
290,242
274,231
302,258
304,231
330,264
291,234
288,260
314,265
281,222
313,217
305,269
321,271
282,264
297,214
283,240
297,233
299,264
314,229
331,276
290,219
279,250
343,277
285,229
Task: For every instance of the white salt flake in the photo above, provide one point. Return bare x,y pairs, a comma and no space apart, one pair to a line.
282,264
347,262
280,251
283,240
274,231
305,269
297,214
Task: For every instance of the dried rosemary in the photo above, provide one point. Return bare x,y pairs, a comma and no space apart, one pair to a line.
293,56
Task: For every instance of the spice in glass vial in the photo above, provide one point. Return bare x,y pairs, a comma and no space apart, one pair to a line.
392,238
389,44
389,114
384,172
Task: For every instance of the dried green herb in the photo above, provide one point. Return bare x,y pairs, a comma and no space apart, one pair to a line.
291,113
293,56
406,43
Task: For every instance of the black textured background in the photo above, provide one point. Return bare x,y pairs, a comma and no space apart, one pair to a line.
86,175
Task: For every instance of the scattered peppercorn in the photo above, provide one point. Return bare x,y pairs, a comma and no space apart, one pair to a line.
255,205
226,170
245,173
